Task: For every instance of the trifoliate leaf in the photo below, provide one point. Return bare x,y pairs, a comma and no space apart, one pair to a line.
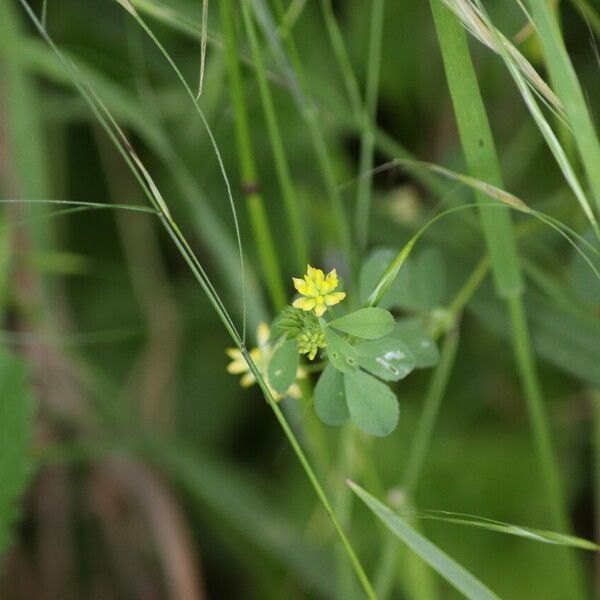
330,397
367,323
414,335
283,366
341,354
373,406
388,358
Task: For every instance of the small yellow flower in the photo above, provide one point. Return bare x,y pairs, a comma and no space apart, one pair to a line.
317,290
261,356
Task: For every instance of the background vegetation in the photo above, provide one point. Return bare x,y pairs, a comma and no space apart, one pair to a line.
132,465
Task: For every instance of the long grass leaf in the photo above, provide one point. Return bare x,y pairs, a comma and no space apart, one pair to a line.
437,559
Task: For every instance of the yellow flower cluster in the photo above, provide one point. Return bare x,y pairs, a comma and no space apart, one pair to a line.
261,356
317,291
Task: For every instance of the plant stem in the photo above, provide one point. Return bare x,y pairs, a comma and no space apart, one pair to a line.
418,450
309,111
369,118
356,565
480,153
431,406
343,60
282,169
262,233
542,438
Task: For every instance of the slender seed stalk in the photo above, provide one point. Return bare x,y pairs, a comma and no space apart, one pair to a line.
250,185
569,91
282,169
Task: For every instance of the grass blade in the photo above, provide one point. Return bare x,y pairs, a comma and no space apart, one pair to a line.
437,559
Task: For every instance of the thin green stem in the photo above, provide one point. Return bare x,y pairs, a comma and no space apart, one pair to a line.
538,417
343,60
358,569
384,578
480,153
344,588
282,169
431,406
542,438
248,172
589,14
367,141
310,113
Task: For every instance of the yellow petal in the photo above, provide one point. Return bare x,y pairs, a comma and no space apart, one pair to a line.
310,271
310,289
300,285
247,380
334,298
319,310
263,333
233,353
237,366
305,303
294,391
320,300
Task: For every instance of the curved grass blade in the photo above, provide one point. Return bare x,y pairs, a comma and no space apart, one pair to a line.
131,10
538,535
437,559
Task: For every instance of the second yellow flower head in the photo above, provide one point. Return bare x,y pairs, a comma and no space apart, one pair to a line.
317,291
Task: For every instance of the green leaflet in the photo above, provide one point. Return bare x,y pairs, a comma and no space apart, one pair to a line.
330,397
373,406
341,354
367,323
283,366
388,358
414,335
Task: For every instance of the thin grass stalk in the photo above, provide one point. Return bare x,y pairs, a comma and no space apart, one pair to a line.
569,91
338,46
262,232
589,14
310,112
480,153
151,191
384,579
367,140
282,168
